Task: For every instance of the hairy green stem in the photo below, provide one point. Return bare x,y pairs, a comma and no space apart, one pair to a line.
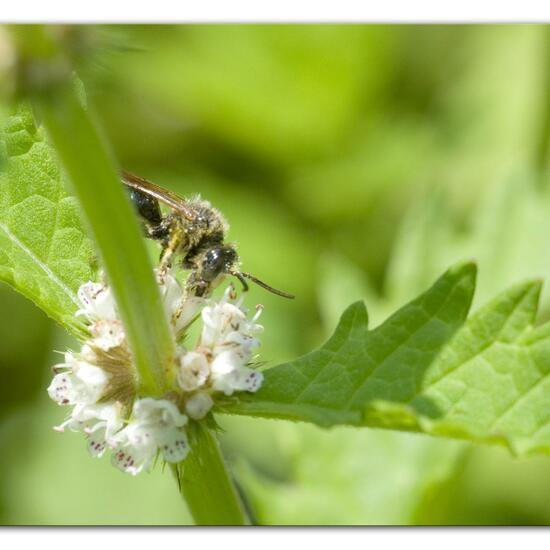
205,483
116,232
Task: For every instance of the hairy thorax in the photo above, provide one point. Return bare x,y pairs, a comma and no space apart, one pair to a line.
208,229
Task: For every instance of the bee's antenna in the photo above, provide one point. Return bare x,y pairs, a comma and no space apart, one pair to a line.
241,276
242,280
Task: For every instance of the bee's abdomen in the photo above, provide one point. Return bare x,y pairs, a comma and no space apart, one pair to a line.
147,207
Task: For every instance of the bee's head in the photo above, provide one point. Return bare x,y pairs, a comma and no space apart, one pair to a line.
217,261
223,260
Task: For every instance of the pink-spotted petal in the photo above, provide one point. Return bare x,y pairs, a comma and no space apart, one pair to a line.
97,301
250,380
126,459
173,445
97,443
62,389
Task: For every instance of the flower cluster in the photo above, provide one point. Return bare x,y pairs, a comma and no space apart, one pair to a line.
218,362
99,381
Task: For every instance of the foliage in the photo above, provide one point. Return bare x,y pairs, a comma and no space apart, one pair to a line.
44,251
336,174
426,369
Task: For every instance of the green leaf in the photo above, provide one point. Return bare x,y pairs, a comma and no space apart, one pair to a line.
298,473
356,462
44,251
333,384
426,369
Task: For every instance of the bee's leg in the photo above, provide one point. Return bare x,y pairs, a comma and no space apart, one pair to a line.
195,286
158,232
171,246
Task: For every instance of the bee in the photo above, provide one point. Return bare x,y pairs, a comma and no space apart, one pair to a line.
194,231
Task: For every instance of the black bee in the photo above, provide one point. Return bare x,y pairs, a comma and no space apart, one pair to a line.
193,230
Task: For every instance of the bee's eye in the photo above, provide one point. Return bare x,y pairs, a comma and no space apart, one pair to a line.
216,261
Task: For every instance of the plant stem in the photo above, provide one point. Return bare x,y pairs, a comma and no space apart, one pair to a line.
205,483
114,227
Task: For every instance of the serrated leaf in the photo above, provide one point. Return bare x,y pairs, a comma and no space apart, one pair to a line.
426,369
44,251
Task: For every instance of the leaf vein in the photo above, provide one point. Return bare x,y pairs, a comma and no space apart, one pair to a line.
44,267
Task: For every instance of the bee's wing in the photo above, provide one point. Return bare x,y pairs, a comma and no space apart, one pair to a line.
168,198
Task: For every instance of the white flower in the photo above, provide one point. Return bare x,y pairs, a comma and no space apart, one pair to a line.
193,371
198,405
107,334
171,290
225,325
82,384
181,310
229,373
219,362
155,426
100,421
228,344
109,422
78,382
99,308
186,312
99,381
97,302
223,318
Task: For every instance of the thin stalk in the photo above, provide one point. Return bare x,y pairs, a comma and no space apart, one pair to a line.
116,232
205,483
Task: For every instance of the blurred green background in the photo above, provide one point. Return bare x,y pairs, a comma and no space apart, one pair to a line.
353,162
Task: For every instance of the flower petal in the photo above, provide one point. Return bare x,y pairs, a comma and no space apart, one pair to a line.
83,383
226,362
97,443
91,382
239,379
134,448
198,405
62,390
97,301
131,460
249,379
107,334
158,413
185,312
193,371
173,445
